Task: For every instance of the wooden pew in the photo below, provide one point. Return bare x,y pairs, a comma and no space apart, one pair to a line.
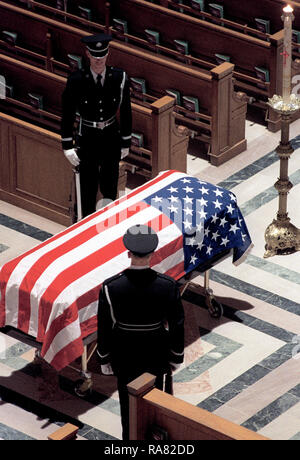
244,16
207,39
153,412
54,41
67,432
72,14
97,8
24,79
34,174
165,144
222,110
229,19
246,52
239,13
41,41
221,128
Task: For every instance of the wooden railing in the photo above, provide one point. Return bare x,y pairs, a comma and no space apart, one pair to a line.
155,413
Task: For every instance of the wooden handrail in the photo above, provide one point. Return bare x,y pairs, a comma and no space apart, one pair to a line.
244,28
179,419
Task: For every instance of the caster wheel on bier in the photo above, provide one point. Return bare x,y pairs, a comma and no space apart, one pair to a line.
215,309
83,388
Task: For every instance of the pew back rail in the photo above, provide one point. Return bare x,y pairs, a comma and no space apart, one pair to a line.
178,419
214,90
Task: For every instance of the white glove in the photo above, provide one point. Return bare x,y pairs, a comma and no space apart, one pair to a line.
106,369
124,152
71,155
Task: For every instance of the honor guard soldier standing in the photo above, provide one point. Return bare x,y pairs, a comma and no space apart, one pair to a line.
140,320
97,94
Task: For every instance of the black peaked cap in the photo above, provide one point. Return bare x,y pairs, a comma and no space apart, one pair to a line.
97,44
140,240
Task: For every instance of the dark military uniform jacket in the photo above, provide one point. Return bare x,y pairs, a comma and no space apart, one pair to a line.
140,323
81,96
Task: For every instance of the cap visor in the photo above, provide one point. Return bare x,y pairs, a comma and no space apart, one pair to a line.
98,54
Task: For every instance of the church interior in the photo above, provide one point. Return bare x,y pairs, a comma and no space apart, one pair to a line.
200,107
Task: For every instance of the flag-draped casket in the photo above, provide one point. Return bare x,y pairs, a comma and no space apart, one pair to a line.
51,291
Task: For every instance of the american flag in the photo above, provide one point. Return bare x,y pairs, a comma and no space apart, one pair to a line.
51,291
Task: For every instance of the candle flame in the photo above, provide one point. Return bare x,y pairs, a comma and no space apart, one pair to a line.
288,9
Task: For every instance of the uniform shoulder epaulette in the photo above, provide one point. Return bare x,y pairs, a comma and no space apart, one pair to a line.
113,278
117,70
166,277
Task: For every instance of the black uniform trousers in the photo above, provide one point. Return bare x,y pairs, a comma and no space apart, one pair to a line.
132,354
99,152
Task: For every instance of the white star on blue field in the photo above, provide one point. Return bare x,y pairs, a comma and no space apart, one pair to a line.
207,216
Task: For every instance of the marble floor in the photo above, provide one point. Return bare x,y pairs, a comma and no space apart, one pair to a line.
244,367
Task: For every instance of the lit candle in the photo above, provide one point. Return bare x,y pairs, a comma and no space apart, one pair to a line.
287,52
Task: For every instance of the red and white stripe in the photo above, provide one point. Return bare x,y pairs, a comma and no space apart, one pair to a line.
51,292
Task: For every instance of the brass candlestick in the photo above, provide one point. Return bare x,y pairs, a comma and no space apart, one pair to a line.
282,237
